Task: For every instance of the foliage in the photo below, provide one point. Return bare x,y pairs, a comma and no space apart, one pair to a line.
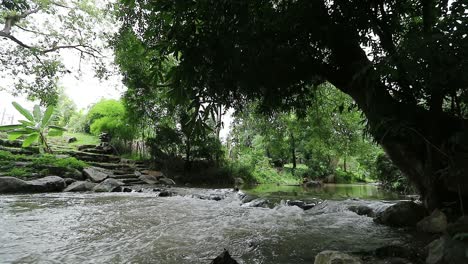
82,139
36,128
51,160
37,34
390,176
110,116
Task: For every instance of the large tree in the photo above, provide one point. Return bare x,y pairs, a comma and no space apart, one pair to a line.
404,62
36,35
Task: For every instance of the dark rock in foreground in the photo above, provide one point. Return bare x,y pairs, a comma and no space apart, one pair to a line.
402,214
46,184
96,174
224,258
447,250
335,257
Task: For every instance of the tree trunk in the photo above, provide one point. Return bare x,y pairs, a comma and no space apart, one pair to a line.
430,147
293,151
344,164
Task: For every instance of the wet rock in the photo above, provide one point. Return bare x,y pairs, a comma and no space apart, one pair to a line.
362,210
69,181
46,184
446,250
80,186
434,223
301,204
224,258
96,174
238,181
167,181
335,257
126,189
165,193
458,227
72,139
402,214
108,185
245,198
149,179
257,203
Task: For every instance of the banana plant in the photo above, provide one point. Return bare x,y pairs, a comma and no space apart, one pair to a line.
36,127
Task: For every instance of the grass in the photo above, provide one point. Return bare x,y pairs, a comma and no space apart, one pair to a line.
39,164
82,139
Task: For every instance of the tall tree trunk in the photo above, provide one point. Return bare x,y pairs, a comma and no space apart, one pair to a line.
430,147
293,151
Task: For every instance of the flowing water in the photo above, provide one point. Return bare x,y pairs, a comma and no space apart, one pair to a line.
145,228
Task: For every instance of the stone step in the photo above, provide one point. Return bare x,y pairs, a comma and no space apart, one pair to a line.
132,181
94,157
124,176
113,166
123,172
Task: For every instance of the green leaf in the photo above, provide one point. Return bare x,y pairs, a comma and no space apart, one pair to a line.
47,116
27,123
31,138
14,135
23,111
37,113
58,128
55,133
10,127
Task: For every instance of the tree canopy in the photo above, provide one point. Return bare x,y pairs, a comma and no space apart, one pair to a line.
35,35
403,63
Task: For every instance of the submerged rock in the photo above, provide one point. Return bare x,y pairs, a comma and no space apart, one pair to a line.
434,223
81,186
301,204
446,250
46,184
335,257
362,210
257,203
96,174
224,258
402,214
108,185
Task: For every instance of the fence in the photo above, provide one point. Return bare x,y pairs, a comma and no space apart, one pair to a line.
6,118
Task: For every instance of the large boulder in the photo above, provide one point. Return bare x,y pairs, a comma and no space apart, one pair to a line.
108,185
96,174
157,174
224,258
46,184
12,185
81,186
335,257
458,227
149,179
402,214
446,250
434,223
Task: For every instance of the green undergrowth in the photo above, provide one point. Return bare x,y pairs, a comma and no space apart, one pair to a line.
82,139
25,166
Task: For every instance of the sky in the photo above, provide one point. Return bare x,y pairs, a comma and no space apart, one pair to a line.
82,87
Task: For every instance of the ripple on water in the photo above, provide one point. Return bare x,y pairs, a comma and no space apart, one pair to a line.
143,228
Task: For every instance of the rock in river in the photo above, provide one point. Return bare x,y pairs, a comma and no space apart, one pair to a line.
149,179
96,174
446,250
108,185
335,257
46,184
81,186
224,258
402,214
362,210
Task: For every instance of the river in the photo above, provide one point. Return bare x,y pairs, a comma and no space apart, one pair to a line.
145,228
